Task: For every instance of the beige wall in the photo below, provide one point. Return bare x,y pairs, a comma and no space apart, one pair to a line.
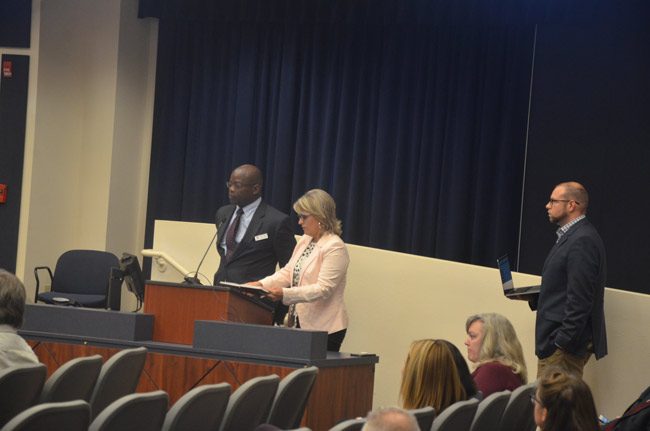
88,131
395,298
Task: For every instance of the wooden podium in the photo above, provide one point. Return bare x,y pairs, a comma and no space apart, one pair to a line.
176,306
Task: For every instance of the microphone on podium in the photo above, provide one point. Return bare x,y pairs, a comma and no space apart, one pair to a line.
195,279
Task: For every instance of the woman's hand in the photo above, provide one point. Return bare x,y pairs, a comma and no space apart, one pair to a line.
275,293
253,283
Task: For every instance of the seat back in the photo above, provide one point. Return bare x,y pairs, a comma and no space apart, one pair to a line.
73,380
19,389
141,411
84,272
250,404
68,416
424,416
119,376
291,398
489,412
518,414
457,416
349,425
201,409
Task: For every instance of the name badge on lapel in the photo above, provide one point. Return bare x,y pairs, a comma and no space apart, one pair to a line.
262,236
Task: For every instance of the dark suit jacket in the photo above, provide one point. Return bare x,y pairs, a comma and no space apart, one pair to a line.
255,259
570,311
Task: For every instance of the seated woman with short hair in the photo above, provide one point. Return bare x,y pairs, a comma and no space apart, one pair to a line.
430,377
14,351
493,345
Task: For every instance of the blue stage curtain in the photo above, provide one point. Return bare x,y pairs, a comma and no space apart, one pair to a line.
412,114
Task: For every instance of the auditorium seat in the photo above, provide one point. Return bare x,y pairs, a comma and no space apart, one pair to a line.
250,404
456,417
518,414
349,425
73,380
20,388
68,416
291,398
201,409
141,411
119,376
489,412
424,416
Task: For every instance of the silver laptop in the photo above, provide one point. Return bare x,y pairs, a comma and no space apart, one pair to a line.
509,289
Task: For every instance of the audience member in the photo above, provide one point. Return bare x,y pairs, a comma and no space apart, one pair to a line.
14,350
390,419
463,371
563,402
430,376
493,345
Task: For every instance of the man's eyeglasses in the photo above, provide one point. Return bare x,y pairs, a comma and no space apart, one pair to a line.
554,201
237,184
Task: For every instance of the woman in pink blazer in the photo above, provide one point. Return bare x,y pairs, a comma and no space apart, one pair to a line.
312,283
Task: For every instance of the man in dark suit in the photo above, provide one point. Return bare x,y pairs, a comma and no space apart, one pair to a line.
570,323
252,237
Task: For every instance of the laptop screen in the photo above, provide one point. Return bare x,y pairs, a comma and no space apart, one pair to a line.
504,271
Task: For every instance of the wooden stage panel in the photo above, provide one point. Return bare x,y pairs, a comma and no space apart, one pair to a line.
340,392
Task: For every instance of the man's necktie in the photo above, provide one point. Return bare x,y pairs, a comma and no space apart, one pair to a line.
231,244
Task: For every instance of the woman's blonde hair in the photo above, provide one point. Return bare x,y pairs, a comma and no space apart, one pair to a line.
319,204
500,343
430,377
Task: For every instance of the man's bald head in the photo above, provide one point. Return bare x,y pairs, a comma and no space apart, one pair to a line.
245,185
575,191
391,419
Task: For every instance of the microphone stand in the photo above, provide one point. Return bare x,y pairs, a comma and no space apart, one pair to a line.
195,279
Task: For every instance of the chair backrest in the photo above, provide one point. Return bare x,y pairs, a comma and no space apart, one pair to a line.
68,416
250,404
73,380
424,416
141,411
518,414
84,272
457,416
291,398
349,425
20,388
119,376
200,409
489,412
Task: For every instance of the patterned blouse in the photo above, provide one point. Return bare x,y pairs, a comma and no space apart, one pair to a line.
291,315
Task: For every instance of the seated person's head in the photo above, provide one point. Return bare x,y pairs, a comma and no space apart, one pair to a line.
390,419
12,300
563,401
430,376
466,378
491,337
